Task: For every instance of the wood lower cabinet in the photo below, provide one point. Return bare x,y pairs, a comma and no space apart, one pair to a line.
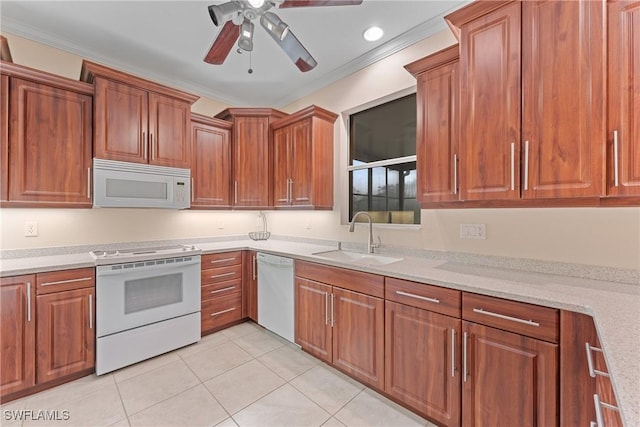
250,285
580,380
437,130
623,128
341,326
221,290
252,155
303,159
17,334
65,327
47,151
137,120
210,163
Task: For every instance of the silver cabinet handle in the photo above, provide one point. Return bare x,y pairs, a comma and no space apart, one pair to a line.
254,268
90,311
598,406
592,371
326,308
218,261
216,276
615,159
513,165
223,290
465,336
88,183
28,301
62,282
332,310
235,192
453,352
192,189
153,150
526,165
455,174
420,297
502,316
145,144
593,424
290,191
223,311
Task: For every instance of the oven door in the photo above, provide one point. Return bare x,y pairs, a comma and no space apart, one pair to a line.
140,293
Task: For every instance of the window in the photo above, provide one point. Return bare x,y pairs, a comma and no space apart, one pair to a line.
382,162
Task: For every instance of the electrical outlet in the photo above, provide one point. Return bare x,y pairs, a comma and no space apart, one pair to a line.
220,224
473,231
307,224
30,229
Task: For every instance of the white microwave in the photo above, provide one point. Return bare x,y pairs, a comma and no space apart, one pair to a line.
137,185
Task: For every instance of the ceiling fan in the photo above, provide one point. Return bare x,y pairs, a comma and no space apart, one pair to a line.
237,17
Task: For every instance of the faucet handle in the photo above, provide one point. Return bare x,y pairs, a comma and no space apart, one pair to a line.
377,245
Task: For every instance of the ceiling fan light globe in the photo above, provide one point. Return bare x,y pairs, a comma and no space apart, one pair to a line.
245,42
256,3
222,13
273,24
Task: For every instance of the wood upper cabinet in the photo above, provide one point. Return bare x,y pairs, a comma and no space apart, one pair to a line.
210,163
490,95
252,155
137,120
422,361
46,143
437,131
341,326
579,379
17,334
623,128
563,130
303,159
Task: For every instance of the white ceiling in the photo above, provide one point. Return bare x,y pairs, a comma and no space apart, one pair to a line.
166,41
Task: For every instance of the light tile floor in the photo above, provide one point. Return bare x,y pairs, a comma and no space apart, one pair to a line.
241,376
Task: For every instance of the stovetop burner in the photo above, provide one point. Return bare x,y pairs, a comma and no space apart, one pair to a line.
143,254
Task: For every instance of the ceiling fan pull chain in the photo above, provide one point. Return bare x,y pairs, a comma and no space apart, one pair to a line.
250,71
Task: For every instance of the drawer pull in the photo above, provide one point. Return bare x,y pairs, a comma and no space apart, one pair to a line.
599,405
61,282
223,290
218,261
420,297
592,371
223,311
502,316
215,276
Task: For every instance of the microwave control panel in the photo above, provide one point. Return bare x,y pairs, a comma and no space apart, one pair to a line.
181,193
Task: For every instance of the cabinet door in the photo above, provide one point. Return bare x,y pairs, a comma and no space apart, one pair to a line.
623,161
510,379
210,166
250,285
169,131
4,138
358,336
437,139
49,145
121,122
66,337
301,164
17,333
563,57
251,162
422,358
490,105
282,166
313,318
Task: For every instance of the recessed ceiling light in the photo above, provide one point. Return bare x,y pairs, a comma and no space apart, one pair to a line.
256,3
373,34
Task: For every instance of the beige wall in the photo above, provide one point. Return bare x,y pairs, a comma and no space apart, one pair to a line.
604,236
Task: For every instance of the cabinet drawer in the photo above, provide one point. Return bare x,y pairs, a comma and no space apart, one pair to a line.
65,280
220,274
428,297
518,317
222,259
220,289
357,281
221,311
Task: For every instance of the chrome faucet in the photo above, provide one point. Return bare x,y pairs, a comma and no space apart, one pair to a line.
370,244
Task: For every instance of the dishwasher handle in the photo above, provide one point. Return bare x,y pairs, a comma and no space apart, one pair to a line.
274,260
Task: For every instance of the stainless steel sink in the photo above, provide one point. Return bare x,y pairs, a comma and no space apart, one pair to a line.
357,258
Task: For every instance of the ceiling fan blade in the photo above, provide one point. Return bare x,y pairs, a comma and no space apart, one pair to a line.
223,44
312,3
294,50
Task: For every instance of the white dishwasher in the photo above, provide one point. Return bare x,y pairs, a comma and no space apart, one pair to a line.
275,294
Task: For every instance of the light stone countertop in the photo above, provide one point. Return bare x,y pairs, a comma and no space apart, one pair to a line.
614,306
